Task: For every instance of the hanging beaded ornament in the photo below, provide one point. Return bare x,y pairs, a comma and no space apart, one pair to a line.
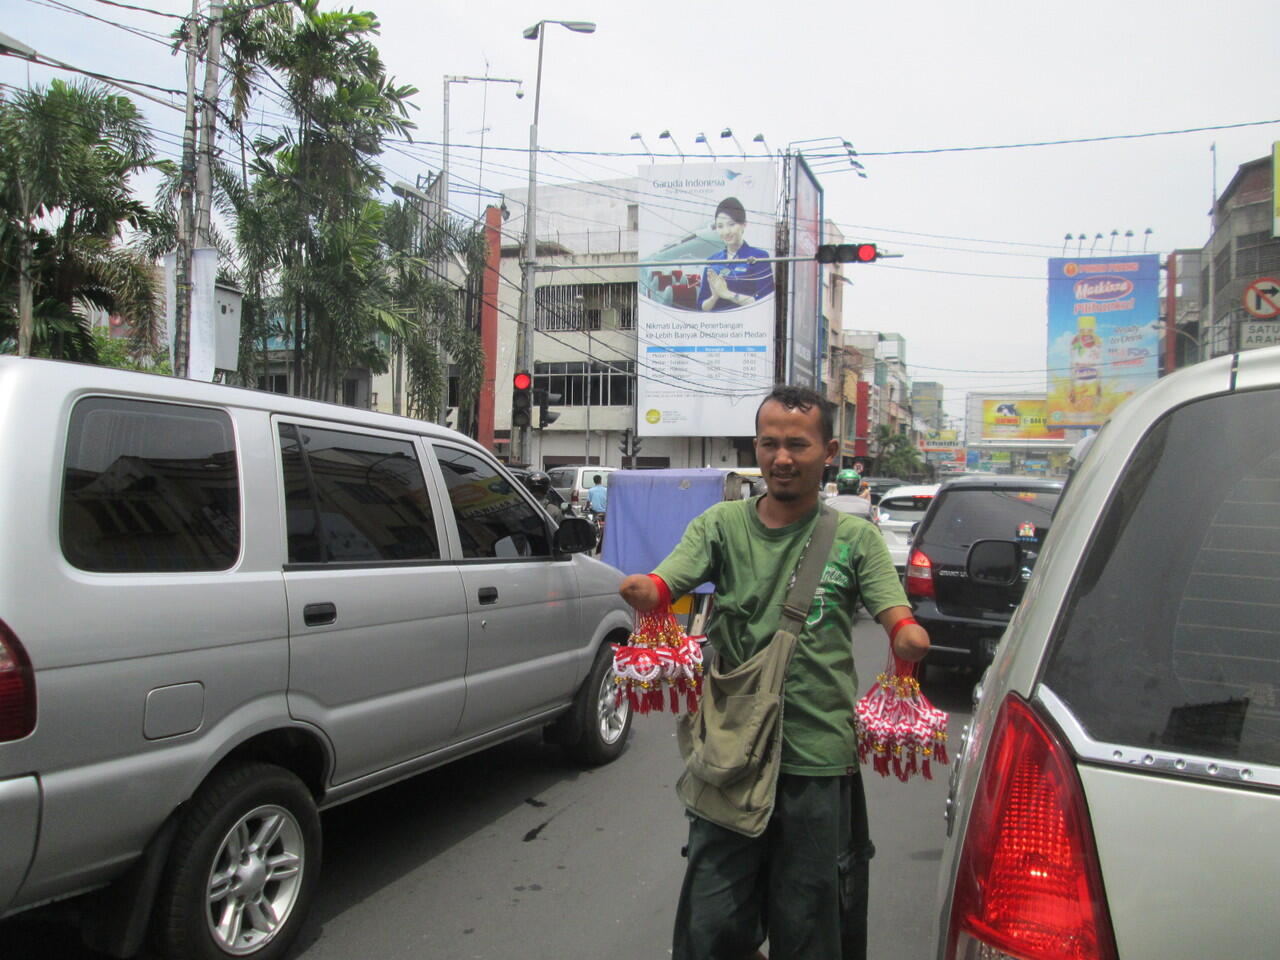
659,662
897,726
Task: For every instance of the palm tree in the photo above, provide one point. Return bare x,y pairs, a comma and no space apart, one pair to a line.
67,153
321,170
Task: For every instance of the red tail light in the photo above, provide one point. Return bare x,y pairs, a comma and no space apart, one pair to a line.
1028,885
573,497
17,688
919,575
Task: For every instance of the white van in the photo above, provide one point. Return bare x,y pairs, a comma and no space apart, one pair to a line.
222,610
573,482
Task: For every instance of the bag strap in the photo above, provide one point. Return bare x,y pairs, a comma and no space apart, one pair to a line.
795,609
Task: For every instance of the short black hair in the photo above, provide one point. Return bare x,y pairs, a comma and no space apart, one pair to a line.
596,478
731,207
804,400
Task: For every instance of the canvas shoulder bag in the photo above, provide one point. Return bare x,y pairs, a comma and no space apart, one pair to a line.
732,746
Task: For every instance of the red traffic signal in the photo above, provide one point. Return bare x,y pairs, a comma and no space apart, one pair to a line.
847,253
522,399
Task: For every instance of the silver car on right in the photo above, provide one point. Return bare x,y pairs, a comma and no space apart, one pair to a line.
1118,791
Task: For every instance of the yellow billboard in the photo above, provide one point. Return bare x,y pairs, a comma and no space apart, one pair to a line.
1016,419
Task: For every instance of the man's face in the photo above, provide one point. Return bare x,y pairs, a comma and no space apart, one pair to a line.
791,451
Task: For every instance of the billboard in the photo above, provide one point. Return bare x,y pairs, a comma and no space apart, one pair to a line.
1016,418
704,351
804,324
941,441
1102,337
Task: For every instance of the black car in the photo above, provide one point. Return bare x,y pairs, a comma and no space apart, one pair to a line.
965,619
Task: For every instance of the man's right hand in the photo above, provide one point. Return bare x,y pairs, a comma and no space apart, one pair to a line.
639,591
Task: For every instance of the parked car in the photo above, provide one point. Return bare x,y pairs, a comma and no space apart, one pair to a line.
964,618
573,482
225,610
1118,792
900,510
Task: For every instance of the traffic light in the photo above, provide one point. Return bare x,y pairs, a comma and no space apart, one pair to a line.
544,399
847,253
521,399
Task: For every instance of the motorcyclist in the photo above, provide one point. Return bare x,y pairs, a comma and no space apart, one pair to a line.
848,482
539,485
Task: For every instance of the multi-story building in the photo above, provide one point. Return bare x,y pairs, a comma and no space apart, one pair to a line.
926,400
1242,250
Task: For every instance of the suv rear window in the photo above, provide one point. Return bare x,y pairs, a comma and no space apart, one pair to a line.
905,508
1171,636
963,516
150,487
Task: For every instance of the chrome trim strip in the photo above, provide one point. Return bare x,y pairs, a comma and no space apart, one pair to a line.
1171,764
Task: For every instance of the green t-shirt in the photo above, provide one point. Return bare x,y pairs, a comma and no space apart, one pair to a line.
752,566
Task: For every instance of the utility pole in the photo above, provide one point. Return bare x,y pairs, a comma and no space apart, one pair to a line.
186,214
208,128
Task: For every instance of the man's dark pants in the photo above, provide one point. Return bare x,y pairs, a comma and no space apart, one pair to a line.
803,883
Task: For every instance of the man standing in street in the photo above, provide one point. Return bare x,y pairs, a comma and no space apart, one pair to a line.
803,882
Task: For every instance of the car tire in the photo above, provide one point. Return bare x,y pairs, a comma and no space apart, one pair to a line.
603,723
243,869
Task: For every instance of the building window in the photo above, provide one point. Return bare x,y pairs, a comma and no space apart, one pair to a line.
609,384
1257,254
576,307
633,216
275,383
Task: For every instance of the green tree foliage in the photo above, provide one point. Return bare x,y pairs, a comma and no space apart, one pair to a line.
896,455
67,154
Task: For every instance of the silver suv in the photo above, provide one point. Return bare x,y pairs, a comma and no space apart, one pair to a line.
1119,791
223,610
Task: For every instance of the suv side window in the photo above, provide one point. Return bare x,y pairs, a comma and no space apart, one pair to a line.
351,497
1171,636
150,487
494,520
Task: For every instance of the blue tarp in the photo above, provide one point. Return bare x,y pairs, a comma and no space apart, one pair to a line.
649,510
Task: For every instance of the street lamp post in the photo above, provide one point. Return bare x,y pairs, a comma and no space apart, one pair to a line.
536,32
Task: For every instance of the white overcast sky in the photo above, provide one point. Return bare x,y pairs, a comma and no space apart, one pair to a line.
975,227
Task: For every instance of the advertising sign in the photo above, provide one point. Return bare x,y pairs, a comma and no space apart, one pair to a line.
1017,419
1102,338
941,441
705,332
804,320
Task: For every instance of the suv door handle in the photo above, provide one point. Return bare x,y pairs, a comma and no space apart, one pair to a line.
318,614
487,595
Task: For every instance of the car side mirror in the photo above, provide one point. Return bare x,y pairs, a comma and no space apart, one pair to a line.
574,535
994,563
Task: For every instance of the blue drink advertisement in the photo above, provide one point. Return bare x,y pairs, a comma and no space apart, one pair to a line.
1102,340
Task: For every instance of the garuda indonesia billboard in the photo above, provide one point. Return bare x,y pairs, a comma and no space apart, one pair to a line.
704,352
1102,337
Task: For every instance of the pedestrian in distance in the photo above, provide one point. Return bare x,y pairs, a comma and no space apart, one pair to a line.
597,495
802,883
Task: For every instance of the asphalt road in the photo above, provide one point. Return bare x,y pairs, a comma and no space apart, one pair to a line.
519,853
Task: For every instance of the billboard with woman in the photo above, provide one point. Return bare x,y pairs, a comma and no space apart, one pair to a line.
705,317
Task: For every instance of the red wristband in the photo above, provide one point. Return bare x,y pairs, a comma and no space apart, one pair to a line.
664,592
893,631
